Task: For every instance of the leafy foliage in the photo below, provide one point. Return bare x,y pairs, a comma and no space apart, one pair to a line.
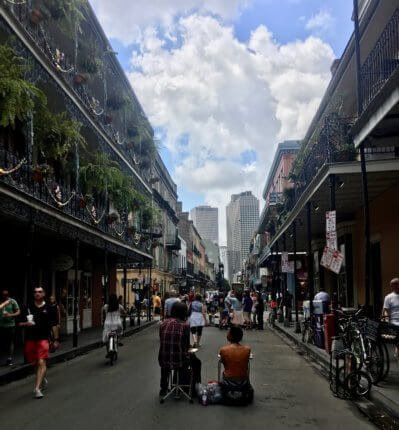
18,97
69,13
56,135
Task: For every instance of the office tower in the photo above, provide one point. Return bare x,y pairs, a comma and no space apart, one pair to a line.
224,260
242,217
205,219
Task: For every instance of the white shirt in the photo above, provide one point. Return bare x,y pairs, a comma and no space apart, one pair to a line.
391,303
323,296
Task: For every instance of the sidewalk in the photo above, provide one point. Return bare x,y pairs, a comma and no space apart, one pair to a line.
87,340
385,395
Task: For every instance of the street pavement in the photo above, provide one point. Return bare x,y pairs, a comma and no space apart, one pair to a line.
88,393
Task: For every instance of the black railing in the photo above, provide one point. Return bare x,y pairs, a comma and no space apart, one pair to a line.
58,194
382,62
93,98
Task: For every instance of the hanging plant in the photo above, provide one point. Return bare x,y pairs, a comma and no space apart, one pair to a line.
40,172
70,14
18,97
112,217
133,131
117,102
56,135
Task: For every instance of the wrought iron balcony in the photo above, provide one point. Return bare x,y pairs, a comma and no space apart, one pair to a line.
173,242
275,198
382,61
18,175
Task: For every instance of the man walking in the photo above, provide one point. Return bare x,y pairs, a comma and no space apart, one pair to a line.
8,314
40,320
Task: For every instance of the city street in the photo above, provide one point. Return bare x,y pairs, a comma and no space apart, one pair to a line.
88,393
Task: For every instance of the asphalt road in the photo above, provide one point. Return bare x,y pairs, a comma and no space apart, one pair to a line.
86,393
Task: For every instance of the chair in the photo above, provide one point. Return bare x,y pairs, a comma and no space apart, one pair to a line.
176,388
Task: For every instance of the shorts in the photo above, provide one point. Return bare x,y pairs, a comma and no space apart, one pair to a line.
36,350
247,316
197,330
157,311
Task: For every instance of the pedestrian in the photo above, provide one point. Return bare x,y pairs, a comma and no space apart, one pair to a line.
112,312
197,312
236,306
8,314
40,321
390,310
53,303
254,303
260,309
170,302
174,334
287,304
137,303
247,309
156,304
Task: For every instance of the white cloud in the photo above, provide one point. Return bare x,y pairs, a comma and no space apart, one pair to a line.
216,98
320,22
125,19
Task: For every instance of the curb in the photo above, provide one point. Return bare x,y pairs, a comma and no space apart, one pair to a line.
26,369
377,407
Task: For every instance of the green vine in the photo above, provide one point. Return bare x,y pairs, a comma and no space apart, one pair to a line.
18,97
56,135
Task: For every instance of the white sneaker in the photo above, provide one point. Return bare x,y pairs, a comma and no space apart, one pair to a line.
44,384
37,394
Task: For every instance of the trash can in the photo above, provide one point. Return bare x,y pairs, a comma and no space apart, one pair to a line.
319,331
329,331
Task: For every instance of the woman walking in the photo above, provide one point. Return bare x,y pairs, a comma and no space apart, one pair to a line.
197,312
236,306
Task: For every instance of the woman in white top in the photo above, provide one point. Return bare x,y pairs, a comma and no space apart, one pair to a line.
112,317
197,312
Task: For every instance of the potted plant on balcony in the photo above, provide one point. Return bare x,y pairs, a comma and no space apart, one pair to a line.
56,135
18,97
89,63
117,102
346,152
40,172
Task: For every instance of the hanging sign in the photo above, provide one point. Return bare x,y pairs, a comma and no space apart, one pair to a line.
326,258
336,262
331,221
331,238
286,266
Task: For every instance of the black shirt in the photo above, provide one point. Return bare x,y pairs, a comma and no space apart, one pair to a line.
44,317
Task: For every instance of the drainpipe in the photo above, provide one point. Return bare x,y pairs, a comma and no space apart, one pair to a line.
366,208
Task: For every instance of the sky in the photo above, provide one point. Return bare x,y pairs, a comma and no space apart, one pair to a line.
224,81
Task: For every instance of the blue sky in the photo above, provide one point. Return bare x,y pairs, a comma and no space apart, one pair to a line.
223,81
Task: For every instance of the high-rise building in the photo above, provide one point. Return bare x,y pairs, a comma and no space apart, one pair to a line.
205,219
224,260
242,217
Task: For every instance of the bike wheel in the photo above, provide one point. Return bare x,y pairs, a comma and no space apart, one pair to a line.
358,383
386,361
357,349
337,386
375,361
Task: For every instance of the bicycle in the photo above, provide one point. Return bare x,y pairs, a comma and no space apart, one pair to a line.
308,332
368,353
112,347
271,319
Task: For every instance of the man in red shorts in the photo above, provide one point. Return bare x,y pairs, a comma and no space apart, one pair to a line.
39,319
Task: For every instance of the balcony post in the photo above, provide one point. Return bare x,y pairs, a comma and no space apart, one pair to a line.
310,255
124,289
279,286
366,208
297,325
76,296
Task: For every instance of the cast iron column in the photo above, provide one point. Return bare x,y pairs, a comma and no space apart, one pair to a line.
124,290
297,324
76,296
334,301
281,314
366,209
310,255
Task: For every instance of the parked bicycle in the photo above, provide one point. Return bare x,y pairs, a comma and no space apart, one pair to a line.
308,331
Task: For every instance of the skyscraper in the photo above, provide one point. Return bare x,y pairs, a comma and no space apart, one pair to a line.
224,260
242,217
205,219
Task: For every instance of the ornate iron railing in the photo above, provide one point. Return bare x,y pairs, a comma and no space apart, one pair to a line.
96,104
58,195
382,61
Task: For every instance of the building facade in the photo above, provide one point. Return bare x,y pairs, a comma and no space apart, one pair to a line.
206,221
242,217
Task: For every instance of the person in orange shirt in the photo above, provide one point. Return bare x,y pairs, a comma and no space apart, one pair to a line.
235,357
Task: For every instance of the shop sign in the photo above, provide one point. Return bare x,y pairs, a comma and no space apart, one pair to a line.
332,260
62,262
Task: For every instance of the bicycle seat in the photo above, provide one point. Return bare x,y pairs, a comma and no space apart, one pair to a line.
349,311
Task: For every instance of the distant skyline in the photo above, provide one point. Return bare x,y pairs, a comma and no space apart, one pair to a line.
206,221
223,82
